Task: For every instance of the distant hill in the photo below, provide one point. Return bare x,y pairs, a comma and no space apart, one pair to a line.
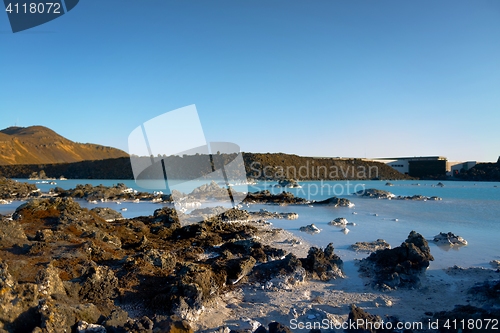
41,145
257,166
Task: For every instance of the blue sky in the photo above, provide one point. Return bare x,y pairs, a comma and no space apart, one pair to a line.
322,78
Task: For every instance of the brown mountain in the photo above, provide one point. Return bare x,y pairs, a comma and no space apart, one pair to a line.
41,145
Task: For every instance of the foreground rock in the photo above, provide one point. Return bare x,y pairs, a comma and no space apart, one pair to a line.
449,239
465,313
14,190
65,268
489,291
400,267
379,244
361,321
323,264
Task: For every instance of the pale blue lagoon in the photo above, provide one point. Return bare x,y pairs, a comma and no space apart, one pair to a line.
468,209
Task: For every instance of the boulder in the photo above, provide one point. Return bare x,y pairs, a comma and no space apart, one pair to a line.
292,183
283,198
161,259
99,284
374,193
466,313
339,222
335,202
11,233
360,321
239,268
365,322
12,189
400,267
323,264
310,229
276,327
379,244
53,211
107,214
284,267
449,239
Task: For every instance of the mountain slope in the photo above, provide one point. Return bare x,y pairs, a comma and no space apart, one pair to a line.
38,144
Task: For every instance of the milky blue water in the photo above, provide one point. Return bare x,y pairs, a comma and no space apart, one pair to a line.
471,210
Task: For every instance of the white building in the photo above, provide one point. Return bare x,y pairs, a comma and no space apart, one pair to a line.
454,168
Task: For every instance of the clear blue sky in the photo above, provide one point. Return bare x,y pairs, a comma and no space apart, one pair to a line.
317,78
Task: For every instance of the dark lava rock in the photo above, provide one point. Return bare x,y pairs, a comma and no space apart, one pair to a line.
381,194
209,191
232,215
451,321
105,193
449,239
174,325
488,290
292,183
12,189
269,198
288,264
107,214
189,290
208,212
374,193
64,266
251,247
360,321
310,229
161,259
334,201
364,321
276,327
52,211
323,264
11,232
267,215
237,269
379,244
99,284
398,267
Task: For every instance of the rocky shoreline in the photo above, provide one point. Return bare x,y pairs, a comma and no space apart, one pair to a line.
68,268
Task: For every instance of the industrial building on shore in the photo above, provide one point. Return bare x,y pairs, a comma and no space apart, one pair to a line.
437,167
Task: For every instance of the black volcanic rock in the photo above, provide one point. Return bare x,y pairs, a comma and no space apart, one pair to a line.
400,266
11,189
267,197
465,313
334,201
323,264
